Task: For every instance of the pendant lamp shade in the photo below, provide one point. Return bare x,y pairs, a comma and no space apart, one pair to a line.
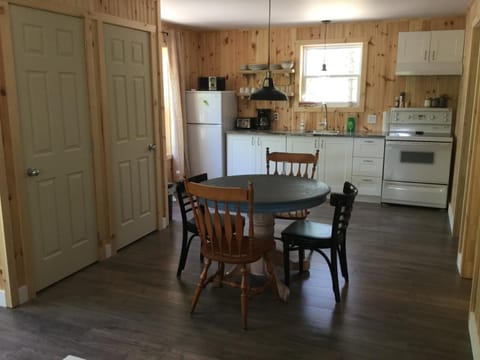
268,91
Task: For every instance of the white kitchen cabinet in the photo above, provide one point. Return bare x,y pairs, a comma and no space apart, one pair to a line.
430,52
335,157
246,153
367,167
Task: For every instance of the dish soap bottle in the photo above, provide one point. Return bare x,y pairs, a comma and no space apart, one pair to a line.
351,125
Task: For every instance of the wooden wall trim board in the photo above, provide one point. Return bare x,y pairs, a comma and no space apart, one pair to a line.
107,138
21,231
159,128
95,110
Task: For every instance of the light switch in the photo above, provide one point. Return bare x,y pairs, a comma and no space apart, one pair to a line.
372,119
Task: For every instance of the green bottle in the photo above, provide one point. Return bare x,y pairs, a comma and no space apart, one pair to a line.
351,124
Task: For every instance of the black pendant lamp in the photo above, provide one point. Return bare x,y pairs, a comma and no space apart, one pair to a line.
268,91
324,65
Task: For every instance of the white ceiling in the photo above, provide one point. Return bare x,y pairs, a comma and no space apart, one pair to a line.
225,14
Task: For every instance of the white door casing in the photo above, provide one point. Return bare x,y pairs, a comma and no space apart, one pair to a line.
130,112
53,106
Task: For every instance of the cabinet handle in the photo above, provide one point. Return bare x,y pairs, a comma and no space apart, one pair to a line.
368,161
433,55
321,146
253,141
367,180
368,141
425,57
258,141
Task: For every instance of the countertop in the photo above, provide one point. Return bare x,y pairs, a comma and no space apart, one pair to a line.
306,133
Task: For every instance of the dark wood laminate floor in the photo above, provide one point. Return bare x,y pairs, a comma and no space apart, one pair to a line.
404,301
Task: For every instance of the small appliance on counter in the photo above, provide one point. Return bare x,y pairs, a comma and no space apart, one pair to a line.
264,119
247,123
211,83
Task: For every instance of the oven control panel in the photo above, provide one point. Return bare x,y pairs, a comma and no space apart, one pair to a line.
420,116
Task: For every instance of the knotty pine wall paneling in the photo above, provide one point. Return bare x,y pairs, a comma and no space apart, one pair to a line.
221,53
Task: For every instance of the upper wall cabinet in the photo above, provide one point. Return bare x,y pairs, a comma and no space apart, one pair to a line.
430,52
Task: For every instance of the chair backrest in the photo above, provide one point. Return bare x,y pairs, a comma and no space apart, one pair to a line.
343,210
183,199
220,222
292,164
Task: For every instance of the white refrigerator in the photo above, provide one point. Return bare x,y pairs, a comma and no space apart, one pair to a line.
209,115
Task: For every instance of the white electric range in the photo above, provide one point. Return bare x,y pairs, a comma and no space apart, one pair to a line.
418,150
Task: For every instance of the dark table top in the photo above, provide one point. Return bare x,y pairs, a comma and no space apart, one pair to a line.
278,193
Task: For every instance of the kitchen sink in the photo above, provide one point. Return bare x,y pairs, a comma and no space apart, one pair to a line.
325,132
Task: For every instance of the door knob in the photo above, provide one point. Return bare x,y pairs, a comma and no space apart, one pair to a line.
33,172
152,147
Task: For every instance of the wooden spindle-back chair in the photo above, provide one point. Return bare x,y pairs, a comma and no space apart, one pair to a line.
224,241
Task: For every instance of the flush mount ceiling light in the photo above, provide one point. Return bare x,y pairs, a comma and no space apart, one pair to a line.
268,91
324,65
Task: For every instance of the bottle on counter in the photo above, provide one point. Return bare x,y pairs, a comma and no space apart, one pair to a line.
428,102
350,124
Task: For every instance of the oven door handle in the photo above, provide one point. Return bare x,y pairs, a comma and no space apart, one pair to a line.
391,144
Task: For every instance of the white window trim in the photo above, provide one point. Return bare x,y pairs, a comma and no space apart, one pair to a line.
316,107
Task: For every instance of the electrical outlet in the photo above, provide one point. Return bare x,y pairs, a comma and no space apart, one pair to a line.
372,119
275,116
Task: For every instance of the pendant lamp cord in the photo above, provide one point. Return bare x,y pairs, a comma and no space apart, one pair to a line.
269,18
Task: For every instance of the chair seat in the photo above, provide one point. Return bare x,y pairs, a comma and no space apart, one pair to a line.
310,233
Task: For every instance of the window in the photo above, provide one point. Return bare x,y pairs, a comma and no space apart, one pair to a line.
341,85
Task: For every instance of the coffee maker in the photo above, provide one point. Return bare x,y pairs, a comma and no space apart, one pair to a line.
263,119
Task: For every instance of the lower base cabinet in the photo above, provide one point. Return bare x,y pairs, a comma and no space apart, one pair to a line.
246,153
341,158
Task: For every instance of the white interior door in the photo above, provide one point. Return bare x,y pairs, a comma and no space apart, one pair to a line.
53,106
129,87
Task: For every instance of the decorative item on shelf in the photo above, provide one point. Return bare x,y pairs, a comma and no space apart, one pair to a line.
287,65
324,65
268,91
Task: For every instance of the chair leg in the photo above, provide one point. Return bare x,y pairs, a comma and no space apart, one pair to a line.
200,285
342,254
286,260
244,296
184,253
301,259
334,273
271,272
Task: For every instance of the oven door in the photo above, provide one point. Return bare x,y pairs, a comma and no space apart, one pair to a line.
417,161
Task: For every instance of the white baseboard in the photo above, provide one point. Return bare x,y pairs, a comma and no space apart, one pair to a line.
450,217
3,298
474,340
165,222
23,294
108,251
459,263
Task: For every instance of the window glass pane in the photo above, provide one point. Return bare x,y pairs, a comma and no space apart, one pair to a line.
340,84
344,89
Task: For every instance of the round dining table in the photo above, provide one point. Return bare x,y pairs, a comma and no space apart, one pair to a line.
274,194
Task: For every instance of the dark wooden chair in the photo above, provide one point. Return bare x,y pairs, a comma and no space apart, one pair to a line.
188,220
292,164
304,235
223,240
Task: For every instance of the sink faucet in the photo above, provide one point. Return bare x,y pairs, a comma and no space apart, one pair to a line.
323,123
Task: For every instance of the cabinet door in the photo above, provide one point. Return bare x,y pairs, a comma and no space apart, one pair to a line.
335,164
275,143
241,154
447,46
413,47
304,144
